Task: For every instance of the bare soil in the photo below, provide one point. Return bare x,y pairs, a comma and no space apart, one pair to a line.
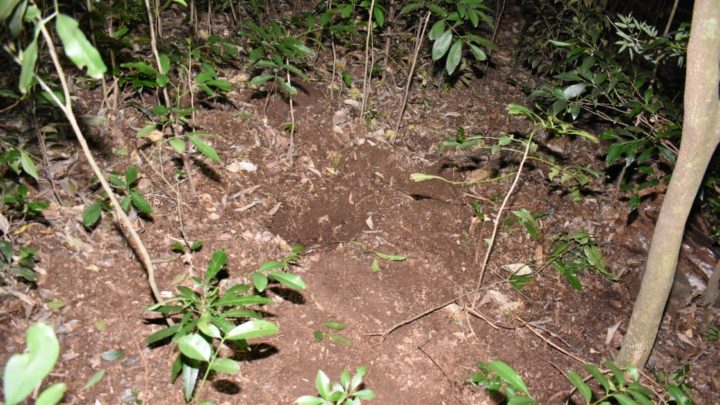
344,195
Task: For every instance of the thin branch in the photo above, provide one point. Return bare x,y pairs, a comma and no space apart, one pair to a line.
499,216
418,43
367,58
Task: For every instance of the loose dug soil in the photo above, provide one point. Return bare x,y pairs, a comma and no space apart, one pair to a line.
345,195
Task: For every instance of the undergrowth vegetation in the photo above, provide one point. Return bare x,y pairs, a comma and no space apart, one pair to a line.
613,80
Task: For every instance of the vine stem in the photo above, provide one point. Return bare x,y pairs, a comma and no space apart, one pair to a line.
499,216
66,107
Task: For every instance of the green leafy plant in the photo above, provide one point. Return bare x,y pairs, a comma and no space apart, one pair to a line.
267,272
17,262
25,372
333,336
619,386
346,392
618,71
276,54
503,381
124,185
456,27
574,253
210,318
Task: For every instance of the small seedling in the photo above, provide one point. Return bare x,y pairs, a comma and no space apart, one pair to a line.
265,273
25,372
125,185
502,380
209,319
333,336
346,392
577,252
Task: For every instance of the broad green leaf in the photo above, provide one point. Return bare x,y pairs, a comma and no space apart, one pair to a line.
339,339
6,8
131,175
252,329
77,47
508,375
178,144
437,29
94,379
92,214
189,380
365,395
27,70
204,148
304,50
259,280
28,165
271,265
607,385
16,23
478,53
454,57
678,395
208,329
225,366
357,378
52,395
260,79
375,266
140,203
335,325
24,372
322,384
441,45
580,384
288,279
195,347
345,379
379,16
164,64
520,401
309,400
217,262
560,43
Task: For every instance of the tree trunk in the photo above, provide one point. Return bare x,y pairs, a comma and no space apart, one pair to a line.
701,133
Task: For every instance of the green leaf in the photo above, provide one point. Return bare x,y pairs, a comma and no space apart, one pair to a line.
178,144
365,395
23,372
375,266
164,64
288,279
189,380
441,45
392,258
77,47
140,203
225,366
28,165
322,383
309,400
261,79
27,70
271,265
112,355
437,29
454,57
252,329
131,175
6,8
204,148
259,281
508,375
580,384
52,395
94,379
217,262
162,334
92,214
678,395
623,399
335,325
339,339
195,347
478,53
598,375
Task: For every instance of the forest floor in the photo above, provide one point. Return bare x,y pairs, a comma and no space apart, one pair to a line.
345,195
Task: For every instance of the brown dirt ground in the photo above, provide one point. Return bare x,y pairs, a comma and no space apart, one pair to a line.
345,195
